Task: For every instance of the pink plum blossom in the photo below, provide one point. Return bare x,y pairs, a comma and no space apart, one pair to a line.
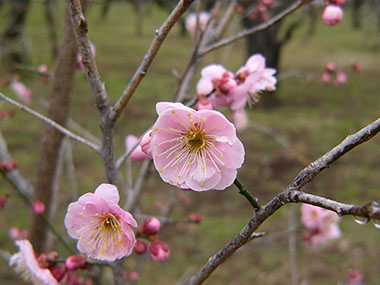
26,263
332,15
158,251
137,154
146,146
330,67
322,224
218,80
240,119
195,149
191,21
22,92
38,207
102,228
253,77
133,276
341,77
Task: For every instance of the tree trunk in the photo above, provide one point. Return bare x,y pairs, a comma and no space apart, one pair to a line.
52,139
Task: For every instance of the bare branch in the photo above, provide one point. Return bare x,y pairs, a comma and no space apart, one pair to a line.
252,30
51,123
141,71
292,195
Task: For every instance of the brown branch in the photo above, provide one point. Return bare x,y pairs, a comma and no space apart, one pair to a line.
51,123
141,71
254,29
292,195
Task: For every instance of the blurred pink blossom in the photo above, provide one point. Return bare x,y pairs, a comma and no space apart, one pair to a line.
195,149
102,227
22,92
240,119
326,77
332,15
330,67
140,247
38,207
220,82
26,263
137,154
75,262
322,223
44,68
16,233
341,77
354,277
158,251
338,2
356,66
191,21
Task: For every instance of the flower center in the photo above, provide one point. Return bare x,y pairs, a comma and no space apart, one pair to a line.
196,140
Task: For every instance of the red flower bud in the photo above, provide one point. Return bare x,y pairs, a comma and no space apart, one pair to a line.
151,226
75,262
140,247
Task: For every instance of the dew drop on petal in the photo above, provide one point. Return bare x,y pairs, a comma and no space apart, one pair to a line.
361,220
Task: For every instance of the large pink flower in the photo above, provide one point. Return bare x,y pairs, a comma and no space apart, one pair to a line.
26,263
253,77
216,77
102,227
195,149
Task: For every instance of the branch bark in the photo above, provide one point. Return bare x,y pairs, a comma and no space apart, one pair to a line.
291,194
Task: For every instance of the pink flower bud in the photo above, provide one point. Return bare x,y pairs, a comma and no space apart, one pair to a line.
43,68
159,251
326,78
330,67
341,77
58,270
151,226
38,207
133,276
203,105
12,165
332,15
75,262
195,218
140,247
145,145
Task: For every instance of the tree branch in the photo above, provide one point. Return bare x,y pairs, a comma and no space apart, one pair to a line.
51,123
252,30
292,195
141,71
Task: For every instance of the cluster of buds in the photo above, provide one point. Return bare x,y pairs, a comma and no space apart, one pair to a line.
330,69
7,165
65,272
332,14
158,250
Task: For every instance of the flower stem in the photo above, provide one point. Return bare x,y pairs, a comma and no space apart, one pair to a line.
243,191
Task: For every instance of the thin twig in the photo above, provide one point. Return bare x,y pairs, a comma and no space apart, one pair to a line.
291,194
252,30
243,191
51,123
141,71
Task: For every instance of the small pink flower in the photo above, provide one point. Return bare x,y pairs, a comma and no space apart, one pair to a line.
326,77
75,262
240,119
79,56
330,67
151,226
341,77
133,276
253,77
16,233
332,15
38,207
195,149
191,21
137,154
101,226
22,92
26,263
146,146
140,247
220,82
158,251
